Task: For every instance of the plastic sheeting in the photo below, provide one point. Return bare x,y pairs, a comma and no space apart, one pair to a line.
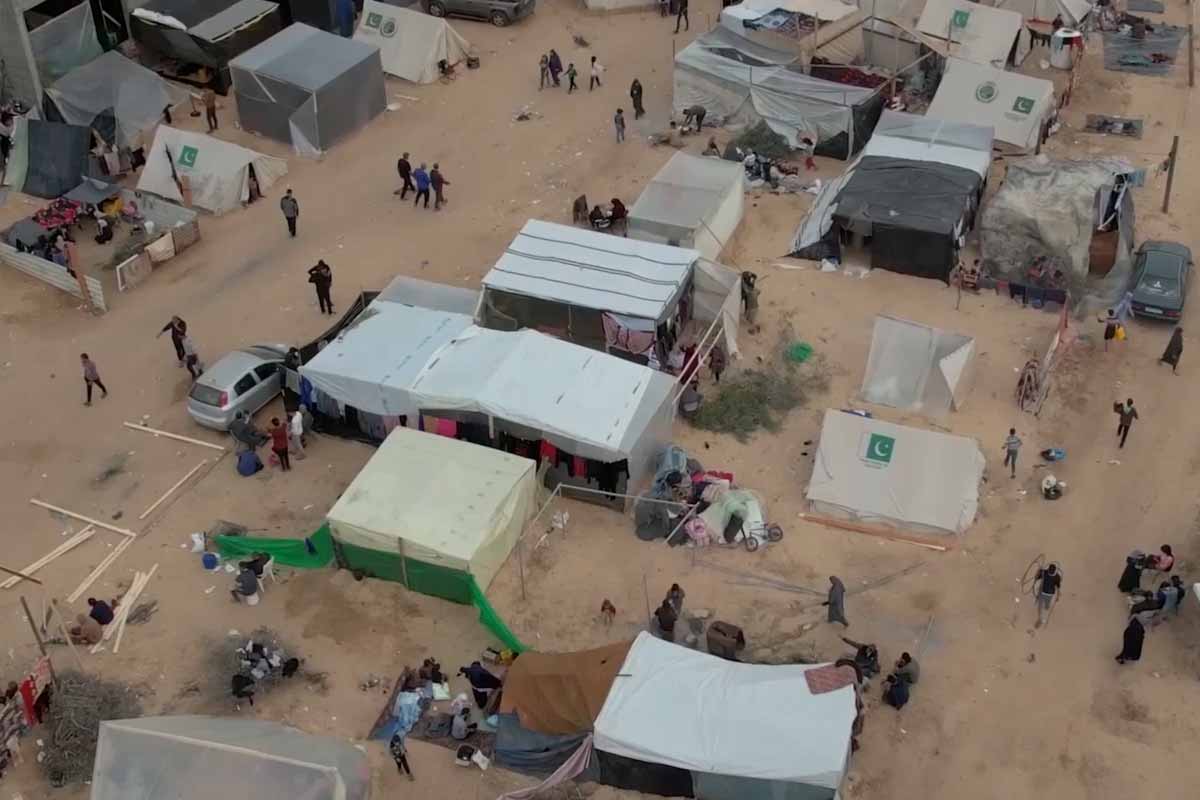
430,295
974,32
1015,105
873,471
1073,11
694,202
681,708
1123,53
197,758
562,693
65,42
308,88
920,138
217,171
312,552
915,367
58,158
113,84
410,43
527,751
742,83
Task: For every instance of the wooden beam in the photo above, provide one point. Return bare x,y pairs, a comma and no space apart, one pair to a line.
37,637
882,533
62,626
71,543
103,565
82,518
171,491
169,435
128,603
21,576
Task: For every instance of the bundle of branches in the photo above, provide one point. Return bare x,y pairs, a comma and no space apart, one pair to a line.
761,140
78,706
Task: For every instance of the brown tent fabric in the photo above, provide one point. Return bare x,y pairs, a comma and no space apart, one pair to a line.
561,693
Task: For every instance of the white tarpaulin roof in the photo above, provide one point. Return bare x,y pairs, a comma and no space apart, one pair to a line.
918,138
692,201
216,170
877,472
974,32
112,83
593,270
913,366
824,10
676,706
1015,105
410,43
439,500
198,758
1073,11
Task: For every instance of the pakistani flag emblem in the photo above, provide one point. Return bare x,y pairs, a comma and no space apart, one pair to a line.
187,156
879,449
374,20
1023,105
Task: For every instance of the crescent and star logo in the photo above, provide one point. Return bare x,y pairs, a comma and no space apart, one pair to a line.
879,449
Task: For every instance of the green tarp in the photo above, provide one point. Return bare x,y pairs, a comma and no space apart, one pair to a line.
286,552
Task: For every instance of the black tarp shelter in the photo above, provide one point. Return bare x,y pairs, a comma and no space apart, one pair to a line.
58,158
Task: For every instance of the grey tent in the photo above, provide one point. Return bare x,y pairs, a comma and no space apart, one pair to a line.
117,97
916,367
58,157
308,87
197,758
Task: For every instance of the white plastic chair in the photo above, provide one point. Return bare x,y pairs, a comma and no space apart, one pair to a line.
267,572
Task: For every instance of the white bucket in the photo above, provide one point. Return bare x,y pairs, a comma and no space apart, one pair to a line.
1060,47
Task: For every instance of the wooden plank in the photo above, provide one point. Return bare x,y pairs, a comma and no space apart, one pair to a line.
129,604
71,543
37,637
21,576
99,570
62,625
82,518
171,491
123,608
882,533
169,435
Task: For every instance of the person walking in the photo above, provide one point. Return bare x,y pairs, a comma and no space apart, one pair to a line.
1012,445
321,277
543,71
1127,414
716,362
279,443
404,168
291,211
91,377
400,755
555,65
1174,350
421,176
619,124
837,601
597,71
635,95
178,329
191,358
682,16
1046,585
438,181
210,108
667,617
1131,645
571,75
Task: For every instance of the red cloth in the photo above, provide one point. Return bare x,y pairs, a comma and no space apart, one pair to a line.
547,451
829,678
279,438
579,468
446,427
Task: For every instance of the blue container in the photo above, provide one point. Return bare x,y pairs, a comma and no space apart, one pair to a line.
210,561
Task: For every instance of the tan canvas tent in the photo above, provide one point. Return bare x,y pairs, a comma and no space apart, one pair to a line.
974,32
410,43
1015,105
916,367
560,693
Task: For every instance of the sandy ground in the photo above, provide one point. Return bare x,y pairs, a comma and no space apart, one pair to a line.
1002,711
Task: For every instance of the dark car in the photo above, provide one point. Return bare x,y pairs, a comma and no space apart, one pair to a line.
1161,274
497,12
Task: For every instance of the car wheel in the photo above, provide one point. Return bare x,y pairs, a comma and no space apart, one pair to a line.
499,19
437,10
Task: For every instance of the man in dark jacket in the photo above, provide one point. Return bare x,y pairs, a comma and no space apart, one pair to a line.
405,169
291,211
321,277
437,180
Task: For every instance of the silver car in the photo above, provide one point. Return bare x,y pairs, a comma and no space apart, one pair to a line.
244,380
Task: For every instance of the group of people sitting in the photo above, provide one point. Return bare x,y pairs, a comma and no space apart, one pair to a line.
249,577
1151,606
616,217
899,682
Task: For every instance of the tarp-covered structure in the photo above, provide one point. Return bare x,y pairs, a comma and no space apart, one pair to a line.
1075,218
217,171
682,722
410,43
562,693
1019,107
974,32
608,292
918,368
912,194
307,87
741,84
118,98
198,758
1073,12
692,202
829,29
875,472
206,33
434,513
57,156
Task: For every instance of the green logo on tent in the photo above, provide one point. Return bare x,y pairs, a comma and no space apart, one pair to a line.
880,449
959,20
1023,105
374,20
986,92
388,28
187,156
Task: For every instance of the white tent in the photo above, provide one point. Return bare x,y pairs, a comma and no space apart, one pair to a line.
217,171
877,472
1073,11
123,94
1015,105
744,731
913,366
198,758
438,501
974,32
410,43
920,138
692,202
